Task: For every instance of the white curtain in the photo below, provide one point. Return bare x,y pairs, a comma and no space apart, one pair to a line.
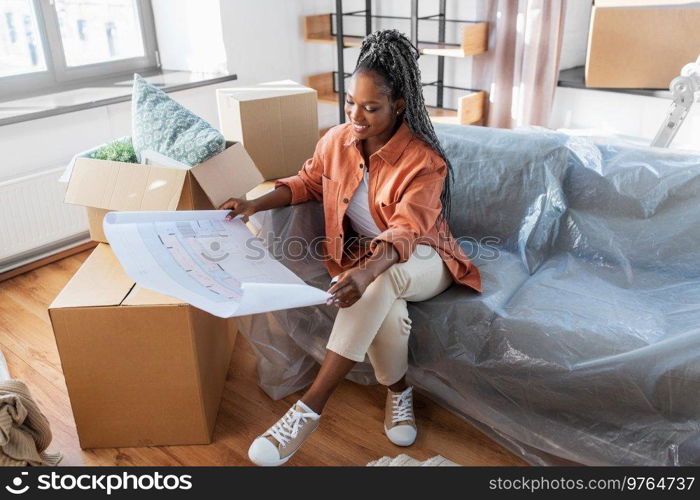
520,70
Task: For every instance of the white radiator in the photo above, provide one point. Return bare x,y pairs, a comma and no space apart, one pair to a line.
34,221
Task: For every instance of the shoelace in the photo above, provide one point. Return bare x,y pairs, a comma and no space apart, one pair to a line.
288,426
402,406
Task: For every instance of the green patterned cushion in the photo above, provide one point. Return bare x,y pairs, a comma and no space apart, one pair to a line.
160,124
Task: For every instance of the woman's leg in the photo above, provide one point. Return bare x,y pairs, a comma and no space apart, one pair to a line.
332,372
388,352
378,323
355,328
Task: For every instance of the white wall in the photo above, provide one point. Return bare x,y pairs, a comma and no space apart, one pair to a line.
189,35
613,113
264,41
575,36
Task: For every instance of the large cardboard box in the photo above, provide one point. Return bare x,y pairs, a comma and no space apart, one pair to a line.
641,43
277,122
142,369
102,185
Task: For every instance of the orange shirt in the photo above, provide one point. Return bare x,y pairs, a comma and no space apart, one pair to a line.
406,177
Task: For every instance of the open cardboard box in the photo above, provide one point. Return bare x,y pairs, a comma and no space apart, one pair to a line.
277,123
641,43
142,369
102,185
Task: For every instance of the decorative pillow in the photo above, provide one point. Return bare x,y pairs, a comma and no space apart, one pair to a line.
160,124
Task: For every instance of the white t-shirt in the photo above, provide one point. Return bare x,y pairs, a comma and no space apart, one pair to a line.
358,210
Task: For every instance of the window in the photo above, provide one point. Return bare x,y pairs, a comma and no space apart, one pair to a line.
51,44
95,32
21,52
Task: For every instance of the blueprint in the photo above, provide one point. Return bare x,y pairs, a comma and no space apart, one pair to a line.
205,260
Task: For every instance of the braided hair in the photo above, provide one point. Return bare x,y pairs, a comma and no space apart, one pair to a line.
393,57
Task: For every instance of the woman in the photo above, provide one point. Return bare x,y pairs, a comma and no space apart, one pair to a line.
385,171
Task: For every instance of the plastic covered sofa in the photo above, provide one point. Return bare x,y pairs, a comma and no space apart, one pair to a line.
585,344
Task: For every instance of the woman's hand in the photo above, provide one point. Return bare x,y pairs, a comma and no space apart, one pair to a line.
350,286
239,206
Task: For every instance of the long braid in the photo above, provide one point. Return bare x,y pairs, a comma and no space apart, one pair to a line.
390,54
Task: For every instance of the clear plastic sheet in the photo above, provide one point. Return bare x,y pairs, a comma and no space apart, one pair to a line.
585,345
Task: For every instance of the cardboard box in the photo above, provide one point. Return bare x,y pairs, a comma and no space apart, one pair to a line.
102,185
277,122
142,369
641,43
260,190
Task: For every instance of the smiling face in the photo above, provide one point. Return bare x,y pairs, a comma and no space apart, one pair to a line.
370,110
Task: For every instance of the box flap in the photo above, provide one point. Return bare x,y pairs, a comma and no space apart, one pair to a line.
265,90
124,186
140,296
100,281
231,173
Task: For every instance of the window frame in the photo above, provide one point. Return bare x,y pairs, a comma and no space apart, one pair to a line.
58,76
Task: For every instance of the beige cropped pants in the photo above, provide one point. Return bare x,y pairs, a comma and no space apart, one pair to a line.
378,325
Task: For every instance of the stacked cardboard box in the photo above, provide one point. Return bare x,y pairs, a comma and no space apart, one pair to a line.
641,43
142,368
277,123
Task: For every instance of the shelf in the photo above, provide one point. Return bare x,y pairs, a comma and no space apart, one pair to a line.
575,78
317,29
474,41
441,115
323,85
348,41
470,108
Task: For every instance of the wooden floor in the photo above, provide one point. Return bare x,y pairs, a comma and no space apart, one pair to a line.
350,434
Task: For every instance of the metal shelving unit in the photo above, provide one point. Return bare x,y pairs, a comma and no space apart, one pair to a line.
474,40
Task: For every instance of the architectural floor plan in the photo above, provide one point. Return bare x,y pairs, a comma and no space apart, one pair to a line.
201,258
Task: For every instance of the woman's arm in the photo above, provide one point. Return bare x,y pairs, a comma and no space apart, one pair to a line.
384,256
279,197
305,185
415,214
352,283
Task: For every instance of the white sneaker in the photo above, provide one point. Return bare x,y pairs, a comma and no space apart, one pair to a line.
399,422
282,440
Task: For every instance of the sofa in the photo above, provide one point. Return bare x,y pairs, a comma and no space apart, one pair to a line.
584,346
